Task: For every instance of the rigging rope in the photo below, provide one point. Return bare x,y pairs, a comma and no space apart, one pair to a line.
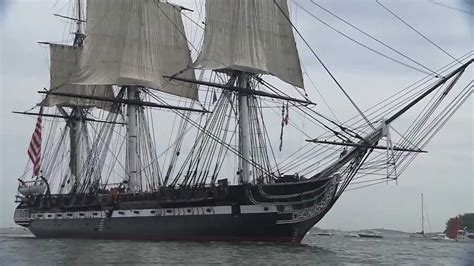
375,39
324,66
307,154
361,44
415,30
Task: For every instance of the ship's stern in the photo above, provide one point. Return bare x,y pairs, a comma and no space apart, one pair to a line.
22,216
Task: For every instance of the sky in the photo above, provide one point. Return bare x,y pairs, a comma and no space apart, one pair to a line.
445,175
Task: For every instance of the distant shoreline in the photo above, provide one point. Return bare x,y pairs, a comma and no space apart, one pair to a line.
384,231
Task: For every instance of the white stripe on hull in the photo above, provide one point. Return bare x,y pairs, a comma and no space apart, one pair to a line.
205,210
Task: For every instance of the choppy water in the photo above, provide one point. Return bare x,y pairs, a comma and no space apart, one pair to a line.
19,247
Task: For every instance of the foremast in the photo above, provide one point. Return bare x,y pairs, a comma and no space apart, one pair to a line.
76,123
135,67
64,59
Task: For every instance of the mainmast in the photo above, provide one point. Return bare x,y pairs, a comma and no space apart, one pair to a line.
134,183
244,129
255,39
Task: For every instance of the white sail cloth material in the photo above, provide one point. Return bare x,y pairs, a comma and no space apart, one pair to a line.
251,36
135,43
64,59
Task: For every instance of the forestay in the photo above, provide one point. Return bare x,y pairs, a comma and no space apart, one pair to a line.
135,43
253,36
64,59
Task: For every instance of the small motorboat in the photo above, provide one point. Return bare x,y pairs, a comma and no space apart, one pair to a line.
465,236
441,237
324,233
351,235
371,234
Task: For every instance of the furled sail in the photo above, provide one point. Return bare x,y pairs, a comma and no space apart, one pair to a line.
251,36
135,43
64,60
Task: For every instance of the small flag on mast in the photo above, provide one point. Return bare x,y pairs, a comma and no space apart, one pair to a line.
285,118
34,151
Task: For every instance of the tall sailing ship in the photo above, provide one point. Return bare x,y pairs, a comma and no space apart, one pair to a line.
95,170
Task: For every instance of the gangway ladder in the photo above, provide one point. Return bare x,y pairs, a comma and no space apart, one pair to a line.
103,219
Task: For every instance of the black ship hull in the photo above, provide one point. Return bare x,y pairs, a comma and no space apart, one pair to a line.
244,227
258,213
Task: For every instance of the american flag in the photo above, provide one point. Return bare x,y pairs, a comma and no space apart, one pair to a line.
34,151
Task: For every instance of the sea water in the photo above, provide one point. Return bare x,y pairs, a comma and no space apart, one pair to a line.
18,247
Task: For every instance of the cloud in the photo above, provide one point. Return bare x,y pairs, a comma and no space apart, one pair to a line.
3,8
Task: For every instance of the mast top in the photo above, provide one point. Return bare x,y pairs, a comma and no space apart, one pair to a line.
63,61
251,36
135,43
80,36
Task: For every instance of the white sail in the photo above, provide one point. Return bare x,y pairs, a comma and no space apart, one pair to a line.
251,36
135,43
64,59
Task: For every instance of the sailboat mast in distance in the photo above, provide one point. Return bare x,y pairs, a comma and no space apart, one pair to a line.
422,216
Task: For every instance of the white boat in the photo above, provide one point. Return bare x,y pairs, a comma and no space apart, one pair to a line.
323,233
459,235
442,237
418,235
465,236
351,235
371,234
32,188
